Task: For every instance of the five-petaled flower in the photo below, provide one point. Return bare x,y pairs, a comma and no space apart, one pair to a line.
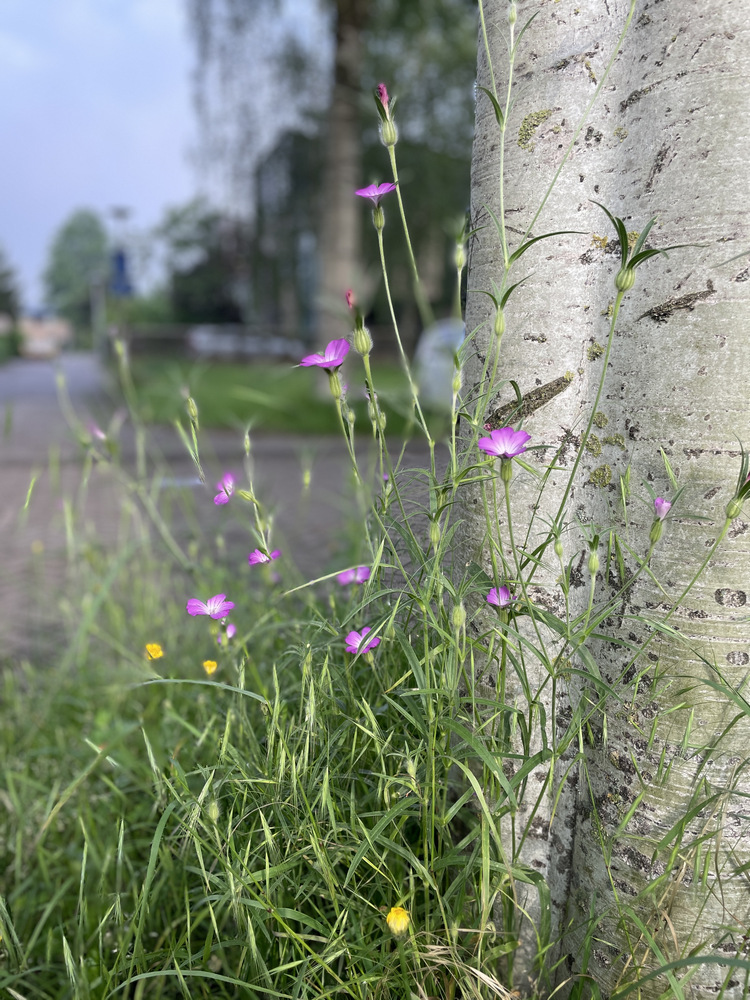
661,507
357,575
210,666
500,597
332,357
397,920
375,192
357,642
256,557
225,486
215,607
154,651
505,443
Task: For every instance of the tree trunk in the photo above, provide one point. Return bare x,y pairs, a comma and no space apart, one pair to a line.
340,232
668,136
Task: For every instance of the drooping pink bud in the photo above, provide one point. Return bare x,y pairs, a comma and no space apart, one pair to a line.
350,300
383,95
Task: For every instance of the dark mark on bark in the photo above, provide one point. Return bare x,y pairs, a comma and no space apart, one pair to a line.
662,312
530,401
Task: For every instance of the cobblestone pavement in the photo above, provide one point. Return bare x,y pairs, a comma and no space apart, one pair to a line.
37,445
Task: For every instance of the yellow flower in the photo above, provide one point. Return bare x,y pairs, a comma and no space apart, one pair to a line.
153,651
397,920
210,666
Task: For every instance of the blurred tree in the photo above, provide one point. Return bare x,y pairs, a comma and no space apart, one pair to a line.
9,298
77,261
205,255
372,40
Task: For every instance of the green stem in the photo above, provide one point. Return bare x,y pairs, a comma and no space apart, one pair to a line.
425,312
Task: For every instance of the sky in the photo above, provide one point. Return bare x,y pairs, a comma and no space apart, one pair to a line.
95,112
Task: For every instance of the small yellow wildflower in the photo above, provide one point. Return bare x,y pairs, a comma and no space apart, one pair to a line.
153,651
210,666
397,920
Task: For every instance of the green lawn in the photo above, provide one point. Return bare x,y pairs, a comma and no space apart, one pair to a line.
271,397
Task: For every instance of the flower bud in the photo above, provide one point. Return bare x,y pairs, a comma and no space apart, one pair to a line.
593,563
435,533
192,411
459,257
512,13
362,340
625,279
213,810
458,616
499,326
559,548
457,381
734,509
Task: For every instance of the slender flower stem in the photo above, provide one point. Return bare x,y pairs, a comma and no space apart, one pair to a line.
425,312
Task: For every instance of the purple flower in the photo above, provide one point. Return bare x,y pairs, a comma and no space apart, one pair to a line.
500,597
229,633
256,557
95,430
661,508
505,443
375,192
358,575
357,643
332,358
225,486
214,607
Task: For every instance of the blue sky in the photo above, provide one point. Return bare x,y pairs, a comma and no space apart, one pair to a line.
95,111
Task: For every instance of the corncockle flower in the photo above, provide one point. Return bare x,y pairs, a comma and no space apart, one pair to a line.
358,575
333,356
661,507
229,633
356,642
375,192
383,95
500,597
214,607
505,443
257,557
225,486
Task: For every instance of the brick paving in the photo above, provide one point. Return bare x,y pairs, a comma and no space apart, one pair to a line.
37,443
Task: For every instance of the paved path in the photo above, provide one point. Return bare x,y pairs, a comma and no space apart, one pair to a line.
38,444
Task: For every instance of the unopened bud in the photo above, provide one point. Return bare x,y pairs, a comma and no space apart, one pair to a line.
512,13
435,533
337,390
247,496
457,381
734,509
593,563
213,810
625,279
559,548
499,326
459,616
459,256
192,410
411,768
378,218
362,340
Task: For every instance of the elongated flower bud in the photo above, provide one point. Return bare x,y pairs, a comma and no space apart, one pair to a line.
625,279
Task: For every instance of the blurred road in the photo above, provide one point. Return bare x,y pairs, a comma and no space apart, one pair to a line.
37,444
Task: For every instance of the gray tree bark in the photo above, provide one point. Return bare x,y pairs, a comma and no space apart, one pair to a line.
669,136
